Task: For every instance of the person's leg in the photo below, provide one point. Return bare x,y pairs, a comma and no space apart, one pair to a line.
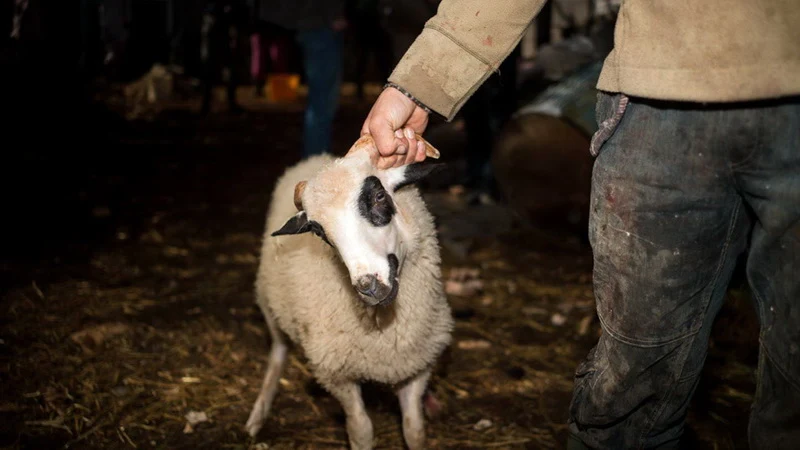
363,49
234,55
208,61
769,176
383,51
257,62
502,104
485,114
322,57
208,78
666,227
233,84
478,128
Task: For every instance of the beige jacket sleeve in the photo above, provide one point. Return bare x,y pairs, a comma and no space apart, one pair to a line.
459,48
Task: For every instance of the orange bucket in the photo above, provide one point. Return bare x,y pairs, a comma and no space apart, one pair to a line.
282,87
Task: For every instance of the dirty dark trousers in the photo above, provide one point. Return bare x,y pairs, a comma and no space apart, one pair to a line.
679,191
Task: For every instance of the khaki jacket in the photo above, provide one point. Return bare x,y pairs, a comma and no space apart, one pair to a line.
698,51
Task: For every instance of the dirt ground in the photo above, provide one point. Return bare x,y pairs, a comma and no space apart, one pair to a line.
128,319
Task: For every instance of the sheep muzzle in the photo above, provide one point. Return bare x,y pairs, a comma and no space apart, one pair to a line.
373,291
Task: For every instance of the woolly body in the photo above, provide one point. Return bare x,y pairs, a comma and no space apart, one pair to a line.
306,287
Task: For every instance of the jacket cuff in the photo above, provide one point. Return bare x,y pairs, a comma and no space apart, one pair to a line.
408,94
440,73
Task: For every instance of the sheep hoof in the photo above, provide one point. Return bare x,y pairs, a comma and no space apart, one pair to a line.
255,422
415,438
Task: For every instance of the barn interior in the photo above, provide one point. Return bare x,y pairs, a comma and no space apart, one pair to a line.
133,221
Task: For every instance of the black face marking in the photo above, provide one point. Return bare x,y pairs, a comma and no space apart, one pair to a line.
393,266
416,172
374,203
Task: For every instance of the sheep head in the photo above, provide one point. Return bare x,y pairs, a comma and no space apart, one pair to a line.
351,205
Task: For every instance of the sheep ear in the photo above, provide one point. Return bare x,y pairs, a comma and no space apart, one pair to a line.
399,177
298,224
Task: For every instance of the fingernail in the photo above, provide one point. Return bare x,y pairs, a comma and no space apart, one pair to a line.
402,150
409,133
398,134
421,147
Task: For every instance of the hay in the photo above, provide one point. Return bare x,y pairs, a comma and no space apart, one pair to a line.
154,327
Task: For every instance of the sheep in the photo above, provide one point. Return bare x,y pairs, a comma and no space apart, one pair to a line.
354,280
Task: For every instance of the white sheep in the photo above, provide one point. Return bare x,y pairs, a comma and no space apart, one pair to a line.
363,298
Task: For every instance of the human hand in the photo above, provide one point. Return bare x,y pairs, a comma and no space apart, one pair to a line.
392,123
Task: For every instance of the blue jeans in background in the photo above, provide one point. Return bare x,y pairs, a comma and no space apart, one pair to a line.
322,58
679,191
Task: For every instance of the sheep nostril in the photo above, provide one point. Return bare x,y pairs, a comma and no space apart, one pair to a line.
367,285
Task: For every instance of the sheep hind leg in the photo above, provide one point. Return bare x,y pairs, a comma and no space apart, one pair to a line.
359,425
269,387
410,396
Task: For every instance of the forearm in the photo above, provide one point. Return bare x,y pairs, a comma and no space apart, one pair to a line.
459,48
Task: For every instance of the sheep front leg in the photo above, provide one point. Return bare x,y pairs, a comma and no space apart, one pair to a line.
269,387
359,425
410,396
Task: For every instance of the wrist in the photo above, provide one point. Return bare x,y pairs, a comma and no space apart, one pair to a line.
409,95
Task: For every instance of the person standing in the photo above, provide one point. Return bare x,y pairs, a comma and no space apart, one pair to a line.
319,26
697,162
371,38
222,48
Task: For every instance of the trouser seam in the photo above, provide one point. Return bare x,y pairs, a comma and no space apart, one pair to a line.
685,352
762,313
761,305
619,337
778,367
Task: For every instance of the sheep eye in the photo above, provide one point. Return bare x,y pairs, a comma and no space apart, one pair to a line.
374,203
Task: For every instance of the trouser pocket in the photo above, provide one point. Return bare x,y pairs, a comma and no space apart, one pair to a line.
609,111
